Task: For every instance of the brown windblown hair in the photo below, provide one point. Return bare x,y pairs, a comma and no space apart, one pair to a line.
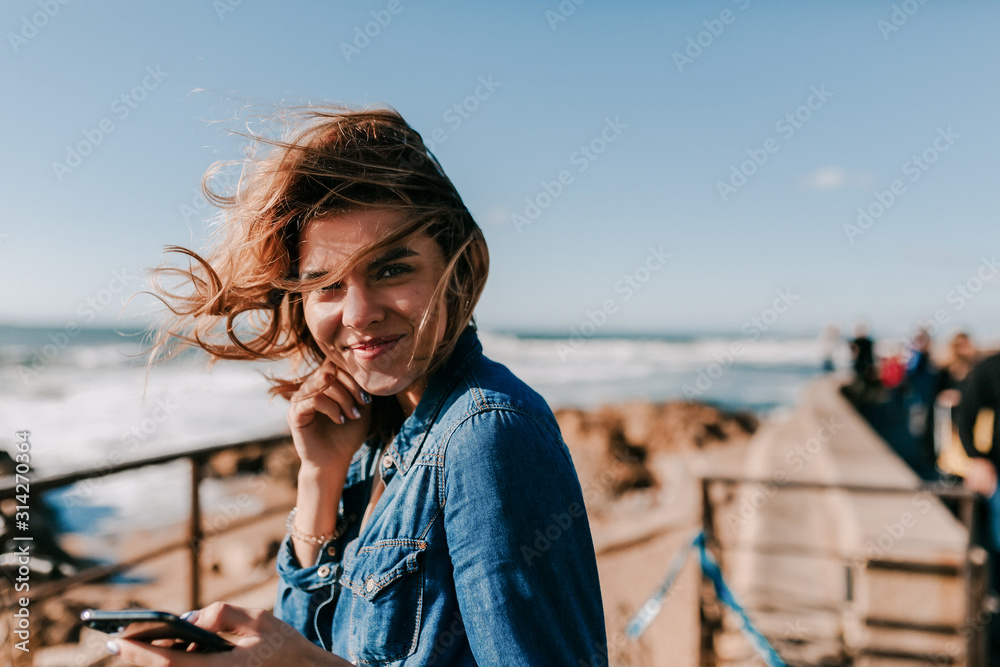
243,298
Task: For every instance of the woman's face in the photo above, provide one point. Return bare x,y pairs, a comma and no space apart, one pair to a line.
366,323
964,349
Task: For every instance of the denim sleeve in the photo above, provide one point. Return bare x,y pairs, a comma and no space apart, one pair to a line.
306,594
520,543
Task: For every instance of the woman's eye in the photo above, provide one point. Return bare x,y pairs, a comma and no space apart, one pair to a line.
330,288
393,271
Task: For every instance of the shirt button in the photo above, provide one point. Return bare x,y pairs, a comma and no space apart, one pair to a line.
323,571
370,586
332,551
387,461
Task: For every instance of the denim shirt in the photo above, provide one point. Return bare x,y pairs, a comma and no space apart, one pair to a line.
478,551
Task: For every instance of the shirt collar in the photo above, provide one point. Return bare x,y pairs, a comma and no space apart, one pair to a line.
405,446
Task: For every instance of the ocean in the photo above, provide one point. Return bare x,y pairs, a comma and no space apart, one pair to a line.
85,398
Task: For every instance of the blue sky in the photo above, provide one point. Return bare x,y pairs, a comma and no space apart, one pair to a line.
643,108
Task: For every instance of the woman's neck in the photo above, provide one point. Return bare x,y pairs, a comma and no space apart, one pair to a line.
410,397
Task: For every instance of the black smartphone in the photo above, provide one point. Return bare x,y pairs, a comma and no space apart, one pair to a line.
147,625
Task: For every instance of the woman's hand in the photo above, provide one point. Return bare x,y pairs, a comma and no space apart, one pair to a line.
981,477
949,398
262,640
329,417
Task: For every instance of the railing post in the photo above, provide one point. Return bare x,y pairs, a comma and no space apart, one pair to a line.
978,582
706,625
195,534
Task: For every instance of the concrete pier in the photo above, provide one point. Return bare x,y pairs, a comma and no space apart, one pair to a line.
841,575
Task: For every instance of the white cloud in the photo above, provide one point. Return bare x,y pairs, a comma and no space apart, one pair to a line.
835,178
825,178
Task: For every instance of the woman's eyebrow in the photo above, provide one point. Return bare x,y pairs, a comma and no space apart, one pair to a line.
313,275
392,255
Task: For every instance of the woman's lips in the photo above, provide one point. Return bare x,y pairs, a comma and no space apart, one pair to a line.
374,348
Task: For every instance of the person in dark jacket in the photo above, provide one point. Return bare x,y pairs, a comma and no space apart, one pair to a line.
981,392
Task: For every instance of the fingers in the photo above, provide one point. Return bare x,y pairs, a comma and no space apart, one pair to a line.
139,653
304,413
224,617
349,383
259,632
329,374
332,392
981,477
263,640
344,399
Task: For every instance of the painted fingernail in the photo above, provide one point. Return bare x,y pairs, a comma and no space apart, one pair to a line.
356,413
342,419
190,616
365,397
113,648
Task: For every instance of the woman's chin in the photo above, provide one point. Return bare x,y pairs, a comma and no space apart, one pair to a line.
381,386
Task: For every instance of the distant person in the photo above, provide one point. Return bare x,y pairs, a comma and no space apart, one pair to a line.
919,386
829,340
949,381
980,408
863,356
892,371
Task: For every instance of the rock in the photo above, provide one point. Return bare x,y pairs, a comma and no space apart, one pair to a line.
279,461
611,446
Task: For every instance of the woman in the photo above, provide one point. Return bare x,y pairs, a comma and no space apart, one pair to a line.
439,519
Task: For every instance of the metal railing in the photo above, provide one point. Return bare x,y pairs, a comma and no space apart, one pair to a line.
196,534
973,570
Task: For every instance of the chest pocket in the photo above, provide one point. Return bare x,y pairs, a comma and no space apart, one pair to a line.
387,580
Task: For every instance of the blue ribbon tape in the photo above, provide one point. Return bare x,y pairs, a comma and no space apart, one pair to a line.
710,568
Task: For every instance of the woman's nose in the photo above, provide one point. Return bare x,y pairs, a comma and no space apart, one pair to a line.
360,307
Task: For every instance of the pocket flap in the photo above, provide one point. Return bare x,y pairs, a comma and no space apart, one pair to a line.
377,565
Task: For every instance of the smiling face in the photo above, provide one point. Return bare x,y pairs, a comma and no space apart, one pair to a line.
366,323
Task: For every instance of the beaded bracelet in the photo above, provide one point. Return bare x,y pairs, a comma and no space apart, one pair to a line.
314,539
